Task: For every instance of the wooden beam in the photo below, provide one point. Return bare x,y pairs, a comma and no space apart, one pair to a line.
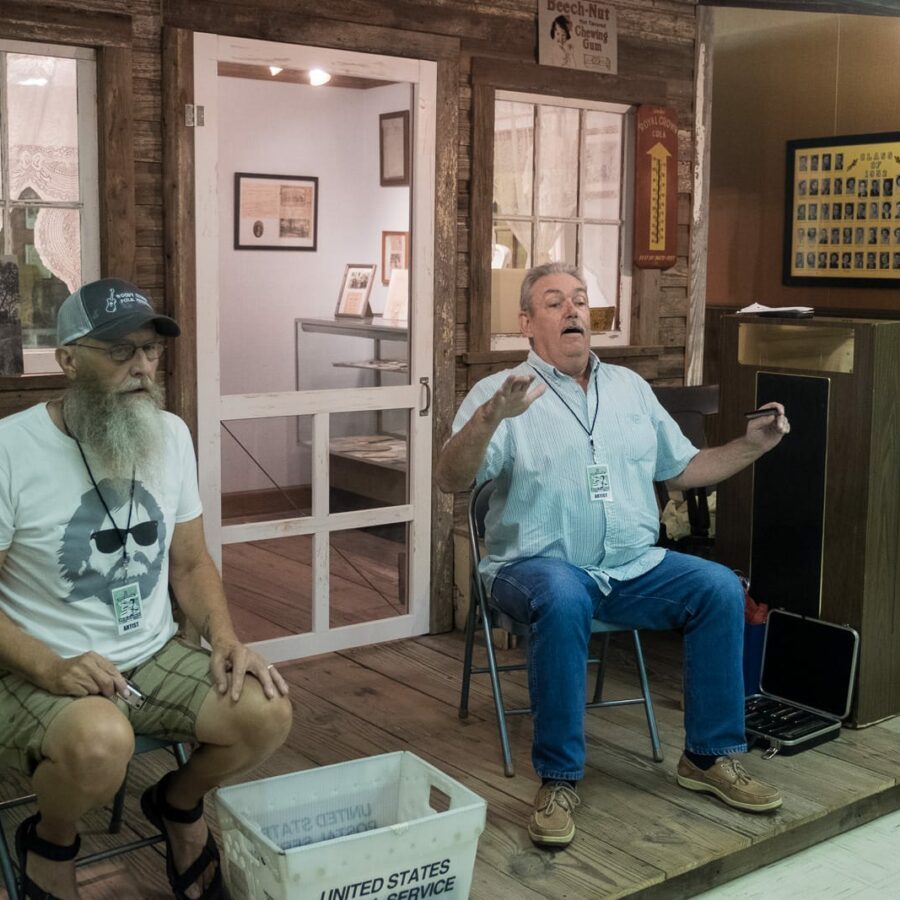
850,7
480,217
115,125
698,251
178,222
26,20
512,75
335,20
443,390
291,25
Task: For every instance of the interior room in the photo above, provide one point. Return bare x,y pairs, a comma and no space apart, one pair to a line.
339,205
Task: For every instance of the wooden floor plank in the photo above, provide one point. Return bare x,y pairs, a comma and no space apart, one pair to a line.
639,833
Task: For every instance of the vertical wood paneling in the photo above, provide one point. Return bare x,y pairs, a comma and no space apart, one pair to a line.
703,72
179,233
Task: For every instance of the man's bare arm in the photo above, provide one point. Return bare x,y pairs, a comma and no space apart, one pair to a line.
715,464
199,592
463,453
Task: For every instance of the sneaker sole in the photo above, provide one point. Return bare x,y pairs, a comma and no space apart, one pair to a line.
706,788
544,840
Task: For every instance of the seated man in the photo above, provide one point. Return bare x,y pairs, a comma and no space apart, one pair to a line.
99,514
574,447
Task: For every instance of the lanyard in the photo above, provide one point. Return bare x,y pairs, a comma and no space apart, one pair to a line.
588,431
123,537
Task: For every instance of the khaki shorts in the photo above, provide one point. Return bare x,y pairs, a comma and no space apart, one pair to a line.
174,682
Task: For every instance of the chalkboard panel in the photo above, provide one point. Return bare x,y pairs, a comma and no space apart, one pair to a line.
789,498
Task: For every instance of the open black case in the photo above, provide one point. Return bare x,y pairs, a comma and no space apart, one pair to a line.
806,685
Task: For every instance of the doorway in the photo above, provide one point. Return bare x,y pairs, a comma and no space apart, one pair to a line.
314,234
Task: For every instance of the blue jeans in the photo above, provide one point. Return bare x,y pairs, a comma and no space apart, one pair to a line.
703,599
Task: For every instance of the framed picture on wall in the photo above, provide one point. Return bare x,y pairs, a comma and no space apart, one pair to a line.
394,253
842,211
353,300
275,212
393,148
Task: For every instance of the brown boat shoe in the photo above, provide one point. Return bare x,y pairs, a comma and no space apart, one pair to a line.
551,823
730,782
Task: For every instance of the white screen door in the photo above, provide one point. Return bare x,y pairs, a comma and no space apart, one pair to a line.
314,429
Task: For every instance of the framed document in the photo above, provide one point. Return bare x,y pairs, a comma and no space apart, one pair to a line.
353,299
275,212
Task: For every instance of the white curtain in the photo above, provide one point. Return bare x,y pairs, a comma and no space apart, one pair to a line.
43,149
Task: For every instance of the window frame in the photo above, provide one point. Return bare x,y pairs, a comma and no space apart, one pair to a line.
621,336
110,35
41,360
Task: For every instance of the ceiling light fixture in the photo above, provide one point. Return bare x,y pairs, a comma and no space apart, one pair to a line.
275,70
318,77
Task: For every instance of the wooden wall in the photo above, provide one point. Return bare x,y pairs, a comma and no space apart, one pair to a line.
777,78
657,46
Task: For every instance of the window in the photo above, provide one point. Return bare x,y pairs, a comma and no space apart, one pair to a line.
560,191
49,197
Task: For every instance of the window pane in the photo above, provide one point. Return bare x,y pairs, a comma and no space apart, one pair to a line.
43,127
368,458
601,182
556,242
513,157
47,248
558,161
600,264
269,585
11,362
368,574
512,245
266,469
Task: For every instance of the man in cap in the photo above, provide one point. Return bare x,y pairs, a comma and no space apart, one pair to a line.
99,515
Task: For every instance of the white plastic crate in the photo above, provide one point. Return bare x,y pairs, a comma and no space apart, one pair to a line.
359,830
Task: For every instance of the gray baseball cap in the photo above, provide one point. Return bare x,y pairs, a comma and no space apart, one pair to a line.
108,309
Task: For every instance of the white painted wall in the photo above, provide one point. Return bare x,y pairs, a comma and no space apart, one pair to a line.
330,133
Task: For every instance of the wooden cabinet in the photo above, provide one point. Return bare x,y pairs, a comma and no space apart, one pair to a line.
816,523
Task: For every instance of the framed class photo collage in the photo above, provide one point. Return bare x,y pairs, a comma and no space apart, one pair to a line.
842,211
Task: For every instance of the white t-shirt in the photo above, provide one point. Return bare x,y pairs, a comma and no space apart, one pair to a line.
64,557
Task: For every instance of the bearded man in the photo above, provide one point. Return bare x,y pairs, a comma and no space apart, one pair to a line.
99,515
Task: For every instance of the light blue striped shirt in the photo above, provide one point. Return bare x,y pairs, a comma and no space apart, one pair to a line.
539,460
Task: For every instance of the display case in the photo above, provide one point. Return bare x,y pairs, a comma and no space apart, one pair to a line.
368,465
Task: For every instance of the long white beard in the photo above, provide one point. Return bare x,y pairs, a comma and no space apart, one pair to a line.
123,431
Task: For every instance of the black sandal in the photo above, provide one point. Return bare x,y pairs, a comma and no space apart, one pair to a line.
28,841
156,808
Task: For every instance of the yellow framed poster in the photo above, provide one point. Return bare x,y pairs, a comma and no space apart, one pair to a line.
842,211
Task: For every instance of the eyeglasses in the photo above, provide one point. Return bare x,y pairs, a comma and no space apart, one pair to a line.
110,539
120,353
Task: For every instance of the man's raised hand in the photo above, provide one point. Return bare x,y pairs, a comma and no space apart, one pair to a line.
514,396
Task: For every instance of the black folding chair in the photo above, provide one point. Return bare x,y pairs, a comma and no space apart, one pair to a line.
483,613
142,745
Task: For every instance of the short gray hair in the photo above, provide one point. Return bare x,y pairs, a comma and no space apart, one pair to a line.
538,272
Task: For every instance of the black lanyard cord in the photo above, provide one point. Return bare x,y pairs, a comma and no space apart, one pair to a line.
588,431
122,537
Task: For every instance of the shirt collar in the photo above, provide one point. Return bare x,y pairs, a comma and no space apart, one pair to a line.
547,370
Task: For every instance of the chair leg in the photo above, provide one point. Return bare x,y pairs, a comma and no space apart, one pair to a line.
9,876
467,659
118,805
499,708
601,670
648,702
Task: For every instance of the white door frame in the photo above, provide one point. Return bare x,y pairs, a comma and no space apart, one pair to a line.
213,408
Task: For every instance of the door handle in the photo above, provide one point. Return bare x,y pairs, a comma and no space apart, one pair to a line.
427,386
